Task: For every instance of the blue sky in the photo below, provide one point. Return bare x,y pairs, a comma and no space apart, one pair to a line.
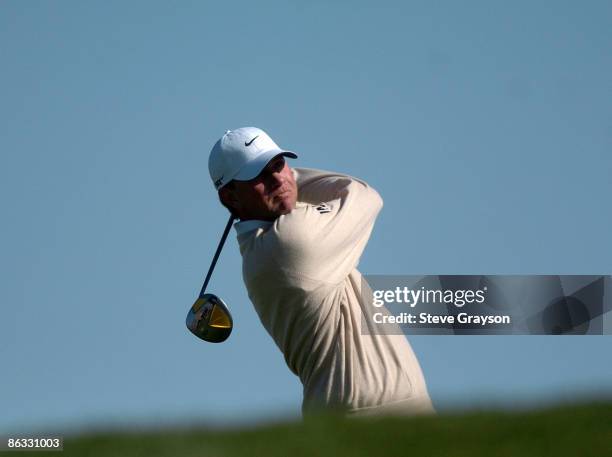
485,126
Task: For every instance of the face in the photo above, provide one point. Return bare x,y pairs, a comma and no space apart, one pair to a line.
271,194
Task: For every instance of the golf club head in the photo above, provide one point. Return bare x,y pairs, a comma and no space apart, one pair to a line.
209,319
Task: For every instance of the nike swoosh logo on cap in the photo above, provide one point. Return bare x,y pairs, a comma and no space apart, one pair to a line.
250,142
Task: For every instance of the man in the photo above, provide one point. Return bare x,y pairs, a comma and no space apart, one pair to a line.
301,233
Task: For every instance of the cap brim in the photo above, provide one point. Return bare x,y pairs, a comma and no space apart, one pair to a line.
255,166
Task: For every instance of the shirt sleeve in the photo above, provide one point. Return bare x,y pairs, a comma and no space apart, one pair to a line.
324,237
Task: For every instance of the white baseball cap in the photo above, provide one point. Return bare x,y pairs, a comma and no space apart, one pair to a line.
241,154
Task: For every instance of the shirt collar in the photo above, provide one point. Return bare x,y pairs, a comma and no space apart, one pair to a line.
250,225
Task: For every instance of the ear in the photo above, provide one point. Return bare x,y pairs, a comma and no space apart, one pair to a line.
228,197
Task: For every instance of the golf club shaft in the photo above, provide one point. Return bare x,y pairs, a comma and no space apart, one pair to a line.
219,248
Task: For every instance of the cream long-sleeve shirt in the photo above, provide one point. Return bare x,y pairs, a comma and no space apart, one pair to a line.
300,273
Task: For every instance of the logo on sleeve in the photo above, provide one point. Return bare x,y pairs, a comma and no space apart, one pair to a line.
323,208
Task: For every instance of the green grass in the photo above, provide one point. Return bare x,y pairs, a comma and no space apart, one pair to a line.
583,431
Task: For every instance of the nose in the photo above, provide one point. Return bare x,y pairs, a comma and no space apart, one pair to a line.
275,179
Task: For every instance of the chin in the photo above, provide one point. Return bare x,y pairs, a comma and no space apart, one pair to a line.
283,210
285,207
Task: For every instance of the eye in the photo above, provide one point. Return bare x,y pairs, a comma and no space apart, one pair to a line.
274,166
279,164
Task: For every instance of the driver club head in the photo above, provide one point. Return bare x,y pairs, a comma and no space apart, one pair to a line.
209,319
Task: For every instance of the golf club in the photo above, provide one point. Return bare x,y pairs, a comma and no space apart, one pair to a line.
209,317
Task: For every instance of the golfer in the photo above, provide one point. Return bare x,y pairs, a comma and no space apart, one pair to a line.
301,233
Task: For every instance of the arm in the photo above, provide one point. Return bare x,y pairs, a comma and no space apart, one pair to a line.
327,246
